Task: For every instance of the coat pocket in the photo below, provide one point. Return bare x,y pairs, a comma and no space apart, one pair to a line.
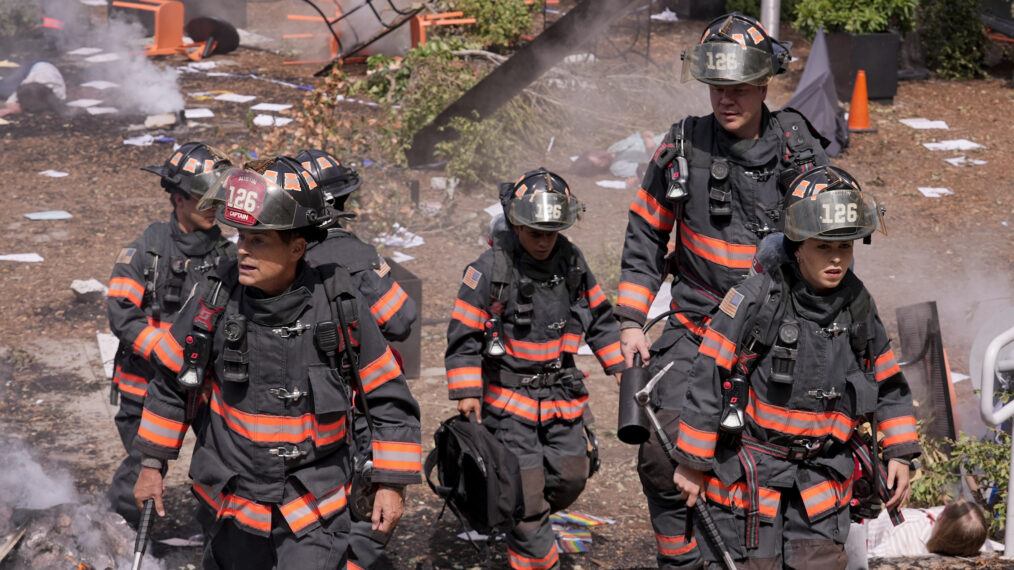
330,406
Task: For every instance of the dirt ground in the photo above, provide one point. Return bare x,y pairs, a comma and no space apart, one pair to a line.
955,250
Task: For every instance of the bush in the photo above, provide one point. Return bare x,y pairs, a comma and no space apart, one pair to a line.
953,38
498,23
753,8
17,16
855,16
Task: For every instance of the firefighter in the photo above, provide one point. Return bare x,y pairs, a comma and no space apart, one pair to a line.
517,321
287,348
151,280
794,360
717,182
391,307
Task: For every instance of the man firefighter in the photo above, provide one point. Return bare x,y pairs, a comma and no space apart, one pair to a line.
792,365
717,181
391,307
152,278
518,318
276,359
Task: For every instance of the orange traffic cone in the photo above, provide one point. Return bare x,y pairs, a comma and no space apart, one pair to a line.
859,111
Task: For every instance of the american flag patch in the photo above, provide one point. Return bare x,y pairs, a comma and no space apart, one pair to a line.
384,268
472,277
126,254
730,304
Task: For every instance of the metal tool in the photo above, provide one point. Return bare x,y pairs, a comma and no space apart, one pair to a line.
143,530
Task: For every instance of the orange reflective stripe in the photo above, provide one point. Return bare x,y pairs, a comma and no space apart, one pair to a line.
548,561
731,255
160,324
610,355
595,296
634,296
825,496
146,340
388,305
886,366
898,430
697,329
264,428
571,343
696,442
563,409
674,545
468,315
246,512
512,402
737,496
397,456
130,383
465,377
537,351
715,345
650,210
161,431
384,368
126,288
169,352
794,422
306,510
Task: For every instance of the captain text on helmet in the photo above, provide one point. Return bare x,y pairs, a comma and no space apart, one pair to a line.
717,183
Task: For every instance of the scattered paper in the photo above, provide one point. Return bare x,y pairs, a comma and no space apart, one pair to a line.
183,541
235,98
957,144
198,113
100,84
666,15
273,107
4,122
580,58
964,161
921,123
197,66
263,120
584,350
93,2
24,257
142,140
53,173
49,215
85,51
576,518
958,377
102,110
9,63
108,344
399,257
494,210
88,290
615,184
935,192
400,238
360,101
103,57
84,102
476,537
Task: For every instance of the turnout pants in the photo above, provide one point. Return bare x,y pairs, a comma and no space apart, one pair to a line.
121,488
553,457
674,537
366,545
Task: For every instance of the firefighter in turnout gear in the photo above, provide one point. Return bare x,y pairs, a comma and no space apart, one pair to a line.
391,307
152,278
518,319
276,359
792,364
717,182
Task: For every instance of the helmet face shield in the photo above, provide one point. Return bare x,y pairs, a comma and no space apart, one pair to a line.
548,211
834,215
250,200
726,63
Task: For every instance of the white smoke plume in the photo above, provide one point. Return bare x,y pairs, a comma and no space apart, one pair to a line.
25,484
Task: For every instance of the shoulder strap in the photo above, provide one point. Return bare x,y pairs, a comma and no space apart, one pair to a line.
500,279
575,278
215,295
763,328
801,138
862,330
345,309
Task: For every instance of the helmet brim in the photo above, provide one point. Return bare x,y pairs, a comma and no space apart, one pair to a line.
158,169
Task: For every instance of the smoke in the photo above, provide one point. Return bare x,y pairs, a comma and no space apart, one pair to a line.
24,484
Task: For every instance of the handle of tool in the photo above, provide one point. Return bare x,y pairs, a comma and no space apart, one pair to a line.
711,531
143,529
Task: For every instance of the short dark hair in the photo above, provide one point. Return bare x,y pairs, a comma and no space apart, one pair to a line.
38,98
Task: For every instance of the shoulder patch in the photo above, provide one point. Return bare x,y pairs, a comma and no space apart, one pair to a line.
730,304
472,277
384,268
126,254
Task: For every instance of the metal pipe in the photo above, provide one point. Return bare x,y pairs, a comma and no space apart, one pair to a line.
771,11
997,417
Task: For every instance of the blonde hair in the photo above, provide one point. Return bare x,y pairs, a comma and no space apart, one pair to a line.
960,530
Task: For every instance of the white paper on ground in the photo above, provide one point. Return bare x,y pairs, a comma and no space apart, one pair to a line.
93,2
662,300
956,144
85,51
235,98
964,161
935,192
100,84
108,343
84,102
198,113
275,107
399,257
49,215
23,257
614,184
102,110
53,173
103,57
263,120
142,140
400,237
958,377
182,541
921,123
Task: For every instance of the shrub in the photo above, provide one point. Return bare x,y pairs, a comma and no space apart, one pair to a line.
855,16
17,16
498,23
953,38
753,8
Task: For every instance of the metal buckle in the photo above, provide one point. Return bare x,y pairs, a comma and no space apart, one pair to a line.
283,394
296,329
286,453
801,449
834,330
824,394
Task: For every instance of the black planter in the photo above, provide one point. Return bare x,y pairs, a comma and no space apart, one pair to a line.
698,9
876,54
